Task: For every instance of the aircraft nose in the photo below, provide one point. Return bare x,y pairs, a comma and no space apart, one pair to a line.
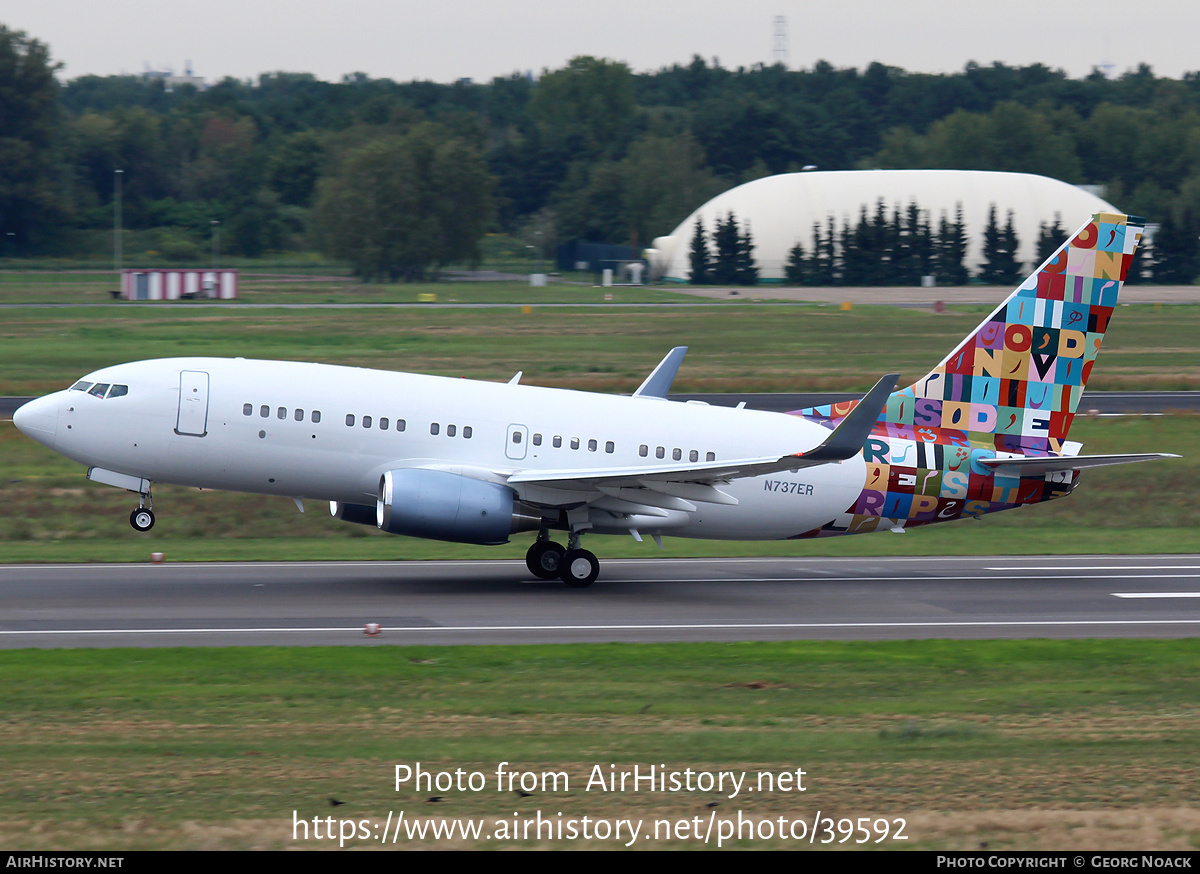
38,419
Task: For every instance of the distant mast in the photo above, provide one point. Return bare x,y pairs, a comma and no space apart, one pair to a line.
779,51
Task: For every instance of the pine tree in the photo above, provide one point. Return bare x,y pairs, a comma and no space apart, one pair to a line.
856,251
923,243
882,236
908,256
1012,274
1000,265
991,249
726,241
820,263
951,251
832,262
701,263
747,270
797,268
1050,237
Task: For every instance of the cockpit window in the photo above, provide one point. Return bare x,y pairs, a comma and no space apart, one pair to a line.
100,389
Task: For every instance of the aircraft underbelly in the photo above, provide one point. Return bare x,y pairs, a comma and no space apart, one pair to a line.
779,506
229,460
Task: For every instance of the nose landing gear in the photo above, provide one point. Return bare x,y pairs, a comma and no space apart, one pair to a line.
142,519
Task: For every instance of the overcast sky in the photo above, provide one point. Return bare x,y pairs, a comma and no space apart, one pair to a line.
445,40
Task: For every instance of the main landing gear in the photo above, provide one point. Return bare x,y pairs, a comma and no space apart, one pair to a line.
548,560
142,519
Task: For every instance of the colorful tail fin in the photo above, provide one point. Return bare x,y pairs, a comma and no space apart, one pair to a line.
1020,374
1016,380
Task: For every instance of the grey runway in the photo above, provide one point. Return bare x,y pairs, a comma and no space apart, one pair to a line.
660,599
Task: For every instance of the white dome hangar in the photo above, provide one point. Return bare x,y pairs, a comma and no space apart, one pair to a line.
781,211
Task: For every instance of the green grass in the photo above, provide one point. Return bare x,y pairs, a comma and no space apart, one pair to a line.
741,347
215,748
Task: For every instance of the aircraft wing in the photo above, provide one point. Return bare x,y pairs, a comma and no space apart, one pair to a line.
1049,464
694,481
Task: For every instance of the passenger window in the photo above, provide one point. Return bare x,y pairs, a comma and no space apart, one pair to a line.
316,416
264,411
693,455
710,456
537,439
557,442
676,454
247,409
349,418
609,447
299,415
516,437
281,413
400,424
451,430
643,450
99,389
118,391
383,424
366,421
574,442
434,428
591,446
659,452
467,432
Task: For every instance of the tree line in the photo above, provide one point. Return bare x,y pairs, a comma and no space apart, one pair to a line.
591,151
902,249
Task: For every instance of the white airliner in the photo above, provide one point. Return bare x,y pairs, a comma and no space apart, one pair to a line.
476,462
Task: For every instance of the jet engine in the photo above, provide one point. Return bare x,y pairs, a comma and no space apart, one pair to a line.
446,506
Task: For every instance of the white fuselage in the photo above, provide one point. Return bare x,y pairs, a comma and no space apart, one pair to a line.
245,425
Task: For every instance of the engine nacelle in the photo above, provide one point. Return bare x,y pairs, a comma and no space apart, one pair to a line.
360,514
439,505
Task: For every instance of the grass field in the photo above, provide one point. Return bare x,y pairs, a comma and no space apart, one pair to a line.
1011,745
744,347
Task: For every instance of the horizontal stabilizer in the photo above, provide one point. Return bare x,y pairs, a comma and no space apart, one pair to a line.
1038,466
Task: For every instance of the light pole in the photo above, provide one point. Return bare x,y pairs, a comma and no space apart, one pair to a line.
117,174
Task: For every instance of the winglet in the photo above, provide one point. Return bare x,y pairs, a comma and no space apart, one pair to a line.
658,383
849,437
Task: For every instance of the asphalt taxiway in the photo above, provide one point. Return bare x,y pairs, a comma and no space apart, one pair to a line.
659,599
